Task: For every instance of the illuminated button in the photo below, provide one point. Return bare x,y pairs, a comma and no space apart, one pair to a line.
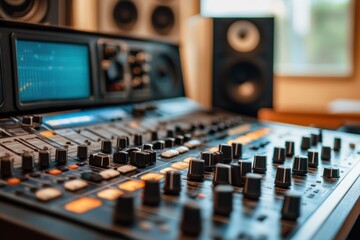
110,173
75,185
110,194
151,177
47,194
83,205
13,181
192,143
126,169
180,165
188,159
170,153
73,167
131,185
165,170
55,172
182,149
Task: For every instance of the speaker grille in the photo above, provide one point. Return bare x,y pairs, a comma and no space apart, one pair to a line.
125,14
163,19
24,10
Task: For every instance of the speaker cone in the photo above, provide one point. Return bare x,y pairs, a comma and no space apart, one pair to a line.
24,10
243,36
125,14
163,19
165,79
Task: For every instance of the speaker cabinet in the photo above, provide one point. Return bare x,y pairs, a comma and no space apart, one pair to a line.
150,19
230,62
35,11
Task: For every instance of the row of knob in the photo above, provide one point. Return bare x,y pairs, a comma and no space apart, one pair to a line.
307,142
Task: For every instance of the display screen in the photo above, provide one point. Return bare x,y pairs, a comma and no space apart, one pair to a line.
52,71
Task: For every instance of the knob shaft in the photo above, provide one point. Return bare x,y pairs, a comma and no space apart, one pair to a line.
289,146
252,188
291,206
237,150
82,152
337,144
208,158
27,162
223,200
154,135
44,159
300,165
226,149
196,170
283,177
138,141
61,156
313,158
191,223
279,155
222,174
124,213
326,153
6,167
151,196
259,163
172,183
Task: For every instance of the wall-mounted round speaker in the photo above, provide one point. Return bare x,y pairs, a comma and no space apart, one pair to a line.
163,19
243,36
125,14
24,10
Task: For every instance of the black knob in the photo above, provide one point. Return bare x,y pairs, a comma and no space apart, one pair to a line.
331,172
154,135
289,146
326,153
187,137
223,200
314,139
222,174
252,187
106,146
61,156
122,142
172,182
6,167
152,156
237,150
337,144
191,223
239,171
140,159
121,157
82,152
179,130
279,155
170,133
300,165
179,140
44,159
147,146
208,158
37,120
138,140
159,145
124,212
226,149
99,160
27,162
259,165
313,159
169,142
196,170
218,157
151,194
291,206
283,177
305,143
320,136
27,121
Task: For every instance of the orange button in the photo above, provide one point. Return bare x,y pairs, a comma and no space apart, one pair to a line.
47,133
201,196
151,177
13,181
55,172
83,205
131,185
72,167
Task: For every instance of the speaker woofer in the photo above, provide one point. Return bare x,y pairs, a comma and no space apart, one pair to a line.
125,14
165,79
24,10
163,19
243,36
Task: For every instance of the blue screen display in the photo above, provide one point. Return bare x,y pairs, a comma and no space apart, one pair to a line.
52,71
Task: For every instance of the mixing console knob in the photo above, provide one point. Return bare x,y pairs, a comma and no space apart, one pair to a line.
82,152
151,194
196,170
172,182
159,145
289,146
218,157
237,150
99,160
170,133
187,137
6,167
222,174
313,159
27,162
169,142
27,121
121,157
179,140
191,223
124,212
152,156
314,139
147,146
44,159
283,177
279,155
208,158
138,140
305,143
259,165
106,146
291,206
326,153
61,156
337,144
179,130
331,172
122,142
140,159
300,165
239,171
154,135
223,200
320,136
252,188
37,119
226,149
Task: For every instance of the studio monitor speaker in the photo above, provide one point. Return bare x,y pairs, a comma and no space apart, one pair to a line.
234,69
34,11
151,19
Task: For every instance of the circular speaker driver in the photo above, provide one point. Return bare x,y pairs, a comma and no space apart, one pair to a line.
125,14
24,10
243,36
163,19
165,77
